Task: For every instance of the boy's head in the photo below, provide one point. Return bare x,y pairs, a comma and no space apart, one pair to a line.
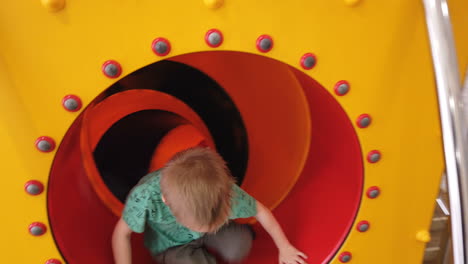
197,186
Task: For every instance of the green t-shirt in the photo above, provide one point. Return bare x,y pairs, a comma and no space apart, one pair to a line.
146,212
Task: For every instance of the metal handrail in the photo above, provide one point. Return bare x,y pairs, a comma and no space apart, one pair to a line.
450,106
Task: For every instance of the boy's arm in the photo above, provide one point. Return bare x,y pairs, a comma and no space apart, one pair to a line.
121,243
288,253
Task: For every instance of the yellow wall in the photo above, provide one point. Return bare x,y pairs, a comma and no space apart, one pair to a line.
380,47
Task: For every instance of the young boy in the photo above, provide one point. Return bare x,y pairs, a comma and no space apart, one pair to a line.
187,207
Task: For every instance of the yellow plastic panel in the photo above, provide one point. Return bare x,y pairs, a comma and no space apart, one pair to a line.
380,47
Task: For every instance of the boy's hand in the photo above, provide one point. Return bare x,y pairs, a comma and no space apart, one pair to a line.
287,253
290,255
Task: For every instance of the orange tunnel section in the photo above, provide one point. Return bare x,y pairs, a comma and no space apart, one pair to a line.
286,140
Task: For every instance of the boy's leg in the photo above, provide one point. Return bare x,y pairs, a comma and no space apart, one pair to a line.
191,253
232,242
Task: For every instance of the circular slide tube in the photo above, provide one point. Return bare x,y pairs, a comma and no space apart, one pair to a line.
298,152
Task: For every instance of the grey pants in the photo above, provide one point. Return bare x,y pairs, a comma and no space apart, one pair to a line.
232,243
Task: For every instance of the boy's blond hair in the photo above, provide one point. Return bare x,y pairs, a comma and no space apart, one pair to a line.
197,187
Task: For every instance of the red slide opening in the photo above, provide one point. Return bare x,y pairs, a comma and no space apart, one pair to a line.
288,141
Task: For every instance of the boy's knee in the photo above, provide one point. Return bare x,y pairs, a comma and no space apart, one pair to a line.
234,242
185,255
236,253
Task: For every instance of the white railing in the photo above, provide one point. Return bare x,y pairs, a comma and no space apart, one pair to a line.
451,115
